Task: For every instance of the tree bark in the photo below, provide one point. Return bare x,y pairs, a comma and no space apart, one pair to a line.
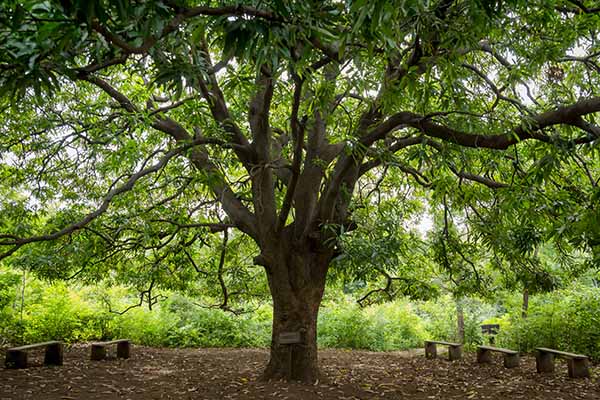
298,361
460,321
525,308
296,275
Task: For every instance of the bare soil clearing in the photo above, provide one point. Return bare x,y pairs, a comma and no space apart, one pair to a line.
157,373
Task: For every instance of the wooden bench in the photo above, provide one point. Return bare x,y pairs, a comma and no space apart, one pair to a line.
511,357
454,349
16,357
578,364
99,349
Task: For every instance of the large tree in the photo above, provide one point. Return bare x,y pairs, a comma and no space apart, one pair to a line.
131,129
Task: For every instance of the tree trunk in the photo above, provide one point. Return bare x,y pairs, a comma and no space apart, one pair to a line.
297,281
460,321
294,361
525,303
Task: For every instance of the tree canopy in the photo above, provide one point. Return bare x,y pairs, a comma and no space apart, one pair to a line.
138,134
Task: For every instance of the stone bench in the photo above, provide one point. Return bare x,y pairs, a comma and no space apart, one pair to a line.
16,357
511,357
578,364
99,349
454,349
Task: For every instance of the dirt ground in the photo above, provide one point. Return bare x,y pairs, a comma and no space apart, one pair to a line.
156,373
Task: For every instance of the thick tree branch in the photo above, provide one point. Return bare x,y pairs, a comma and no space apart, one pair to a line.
261,172
582,8
298,128
531,129
218,106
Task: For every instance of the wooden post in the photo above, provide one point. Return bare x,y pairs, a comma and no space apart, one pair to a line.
16,359
430,350
511,360
484,356
123,349
544,362
98,352
454,352
54,354
578,367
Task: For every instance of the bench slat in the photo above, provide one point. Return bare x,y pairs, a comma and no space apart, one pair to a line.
110,342
33,346
498,349
443,343
561,353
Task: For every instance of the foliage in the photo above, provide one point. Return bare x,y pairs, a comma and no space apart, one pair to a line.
9,282
60,315
171,146
440,318
80,314
382,258
200,327
567,320
378,327
397,326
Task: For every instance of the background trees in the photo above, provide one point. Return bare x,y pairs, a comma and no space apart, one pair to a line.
134,131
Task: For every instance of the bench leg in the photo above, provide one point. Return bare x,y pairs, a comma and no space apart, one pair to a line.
54,354
578,367
123,350
454,353
544,362
511,360
430,350
484,356
15,359
98,352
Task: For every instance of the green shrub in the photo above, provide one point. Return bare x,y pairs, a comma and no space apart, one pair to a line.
397,325
566,320
204,327
145,327
62,315
344,325
9,326
392,326
440,319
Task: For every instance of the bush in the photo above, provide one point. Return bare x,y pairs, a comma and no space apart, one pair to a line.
392,326
179,322
149,328
440,319
397,325
216,328
566,320
344,325
62,315
9,327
